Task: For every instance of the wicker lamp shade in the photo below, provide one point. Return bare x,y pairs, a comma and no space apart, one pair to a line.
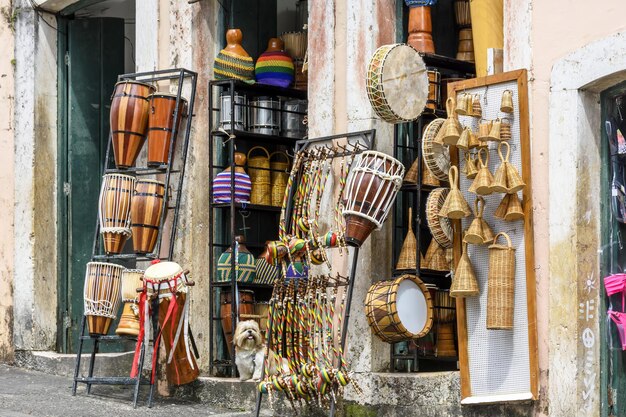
501,284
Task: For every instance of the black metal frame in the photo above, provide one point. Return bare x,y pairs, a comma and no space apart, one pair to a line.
235,136
364,141
181,75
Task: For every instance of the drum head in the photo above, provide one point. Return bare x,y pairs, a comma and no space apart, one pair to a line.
413,309
162,271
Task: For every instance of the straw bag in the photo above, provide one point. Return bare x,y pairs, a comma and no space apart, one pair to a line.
258,169
440,227
483,180
501,285
435,258
510,208
436,155
280,176
464,283
507,179
479,231
455,206
408,253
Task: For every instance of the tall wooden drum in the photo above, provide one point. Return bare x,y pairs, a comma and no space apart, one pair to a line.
397,83
161,126
168,282
399,309
129,321
102,295
145,213
129,120
246,308
370,191
114,211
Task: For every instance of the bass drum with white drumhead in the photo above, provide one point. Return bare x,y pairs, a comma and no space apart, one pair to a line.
399,309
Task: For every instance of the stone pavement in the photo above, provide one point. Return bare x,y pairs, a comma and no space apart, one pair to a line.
30,393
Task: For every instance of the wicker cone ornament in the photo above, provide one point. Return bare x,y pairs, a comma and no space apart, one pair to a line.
470,166
506,105
408,253
505,130
464,283
501,285
435,258
464,139
461,105
411,175
451,128
474,142
484,127
428,178
513,179
482,183
455,206
500,184
479,231
477,110
502,207
510,208
494,133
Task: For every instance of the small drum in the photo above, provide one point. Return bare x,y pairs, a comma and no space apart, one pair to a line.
371,189
161,126
145,213
293,119
114,211
295,44
102,295
264,116
434,90
129,321
129,120
445,311
397,83
170,283
246,308
399,309
226,120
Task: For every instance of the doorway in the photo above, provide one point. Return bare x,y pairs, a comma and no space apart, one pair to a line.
96,43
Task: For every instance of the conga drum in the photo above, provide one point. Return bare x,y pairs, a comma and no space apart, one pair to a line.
114,211
370,191
168,282
161,126
399,309
397,83
102,295
129,120
445,312
246,308
145,213
129,321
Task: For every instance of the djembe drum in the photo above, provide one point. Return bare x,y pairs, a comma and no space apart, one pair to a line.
145,213
129,321
445,311
102,295
129,120
246,310
168,282
161,126
370,191
114,211
399,309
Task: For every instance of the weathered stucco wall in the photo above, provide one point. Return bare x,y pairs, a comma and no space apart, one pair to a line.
7,178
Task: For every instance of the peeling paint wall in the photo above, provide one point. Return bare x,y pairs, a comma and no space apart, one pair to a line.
7,178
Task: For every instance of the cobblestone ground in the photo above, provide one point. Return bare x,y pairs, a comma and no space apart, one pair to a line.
30,393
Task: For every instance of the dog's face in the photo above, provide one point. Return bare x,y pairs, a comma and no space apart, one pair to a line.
248,335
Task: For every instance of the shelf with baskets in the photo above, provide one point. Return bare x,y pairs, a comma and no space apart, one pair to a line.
253,134
416,250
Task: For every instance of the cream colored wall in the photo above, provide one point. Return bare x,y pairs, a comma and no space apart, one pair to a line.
7,180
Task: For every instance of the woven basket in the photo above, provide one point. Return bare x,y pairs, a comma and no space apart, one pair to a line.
455,206
483,130
484,179
501,285
435,258
451,131
436,156
408,253
258,169
461,104
440,227
280,176
464,283
506,104
505,130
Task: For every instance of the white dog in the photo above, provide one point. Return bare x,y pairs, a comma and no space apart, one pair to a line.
250,352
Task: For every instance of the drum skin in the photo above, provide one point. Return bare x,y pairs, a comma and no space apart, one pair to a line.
179,371
246,306
145,213
160,126
382,312
129,120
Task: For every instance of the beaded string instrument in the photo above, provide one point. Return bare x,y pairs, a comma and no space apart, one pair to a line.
306,311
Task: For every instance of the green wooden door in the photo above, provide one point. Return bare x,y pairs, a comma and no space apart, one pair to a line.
613,358
94,58
257,21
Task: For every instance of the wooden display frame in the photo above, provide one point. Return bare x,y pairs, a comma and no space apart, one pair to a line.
467,396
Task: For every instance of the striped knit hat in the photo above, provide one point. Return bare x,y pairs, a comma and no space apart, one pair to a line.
230,65
275,68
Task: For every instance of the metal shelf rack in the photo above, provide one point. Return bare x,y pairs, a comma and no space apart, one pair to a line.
182,78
